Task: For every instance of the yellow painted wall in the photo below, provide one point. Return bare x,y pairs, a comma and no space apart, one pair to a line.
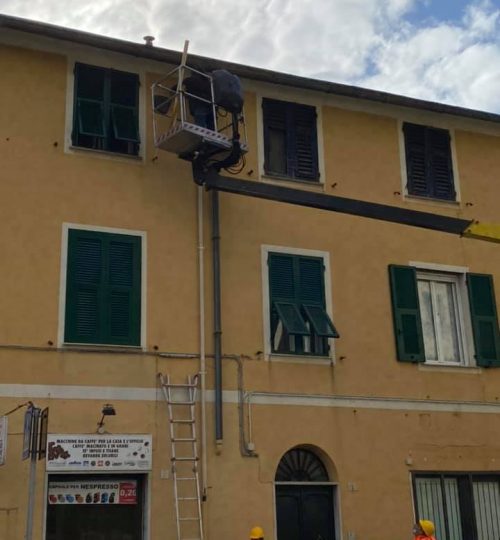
43,186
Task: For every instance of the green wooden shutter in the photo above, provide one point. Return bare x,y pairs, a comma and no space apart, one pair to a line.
416,167
103,291
484,319
89,111
305,148
124,99
283,291
439,164
406,314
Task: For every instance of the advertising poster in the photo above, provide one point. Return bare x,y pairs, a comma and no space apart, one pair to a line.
99,452
93,492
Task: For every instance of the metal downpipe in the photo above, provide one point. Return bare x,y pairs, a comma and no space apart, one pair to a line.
217,316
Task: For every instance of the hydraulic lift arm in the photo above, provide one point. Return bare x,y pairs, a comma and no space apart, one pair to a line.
462,227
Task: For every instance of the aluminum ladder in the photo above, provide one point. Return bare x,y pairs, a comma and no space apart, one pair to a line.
181,406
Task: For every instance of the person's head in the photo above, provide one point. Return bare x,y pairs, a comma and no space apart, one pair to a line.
257,533
424,526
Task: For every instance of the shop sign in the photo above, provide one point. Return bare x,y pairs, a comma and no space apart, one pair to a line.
99,452
3,439
93,492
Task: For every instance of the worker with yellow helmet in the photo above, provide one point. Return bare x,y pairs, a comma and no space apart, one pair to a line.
257,533
424,530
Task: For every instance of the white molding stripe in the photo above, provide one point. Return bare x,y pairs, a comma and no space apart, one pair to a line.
40,391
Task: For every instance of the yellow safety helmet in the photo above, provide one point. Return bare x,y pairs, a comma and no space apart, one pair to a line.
256,533
427,526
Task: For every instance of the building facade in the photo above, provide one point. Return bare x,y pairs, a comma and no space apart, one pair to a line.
359,358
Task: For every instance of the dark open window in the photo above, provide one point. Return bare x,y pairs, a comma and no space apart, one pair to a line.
290,140
103,288
462,506
428,162
299,321
105,115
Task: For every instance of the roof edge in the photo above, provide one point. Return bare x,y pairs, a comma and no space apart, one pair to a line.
258,74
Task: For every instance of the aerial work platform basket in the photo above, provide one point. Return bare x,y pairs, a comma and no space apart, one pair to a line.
197,112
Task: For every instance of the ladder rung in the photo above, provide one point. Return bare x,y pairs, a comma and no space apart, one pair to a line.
189,519
191,402
187,498
180,385
190,458
183,439
181,421
185,478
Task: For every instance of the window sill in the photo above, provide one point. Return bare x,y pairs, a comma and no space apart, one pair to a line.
430,200
448,368
301,359
105,154
312,185
102,347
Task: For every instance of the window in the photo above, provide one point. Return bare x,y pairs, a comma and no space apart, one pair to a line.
103,288
462,506
429,167
290,140
299,322
434,311
105,112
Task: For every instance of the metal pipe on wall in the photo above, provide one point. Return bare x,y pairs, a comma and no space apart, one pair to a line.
203,369
217,316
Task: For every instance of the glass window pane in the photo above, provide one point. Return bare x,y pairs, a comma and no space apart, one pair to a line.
430,503
446,320
424,296
487,509
277,151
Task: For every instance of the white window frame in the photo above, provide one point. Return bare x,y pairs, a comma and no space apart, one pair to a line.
457,276
295,358
404,169
294,97
63,274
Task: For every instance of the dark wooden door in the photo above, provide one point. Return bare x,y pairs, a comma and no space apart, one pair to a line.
305,512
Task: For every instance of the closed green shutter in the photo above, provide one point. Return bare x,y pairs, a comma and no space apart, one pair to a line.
484,319
406,314
103,288
428,162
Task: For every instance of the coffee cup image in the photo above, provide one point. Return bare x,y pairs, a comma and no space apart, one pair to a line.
70,498
88,498
104,498
79,498
52,499
60,498
97,497
112,497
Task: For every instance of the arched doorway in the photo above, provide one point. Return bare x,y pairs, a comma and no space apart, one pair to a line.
304,498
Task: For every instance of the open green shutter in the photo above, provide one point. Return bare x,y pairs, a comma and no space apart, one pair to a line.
484,319
406,314
89,112
83,288
124,121
416,161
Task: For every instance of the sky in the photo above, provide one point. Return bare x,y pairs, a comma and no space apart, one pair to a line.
440,50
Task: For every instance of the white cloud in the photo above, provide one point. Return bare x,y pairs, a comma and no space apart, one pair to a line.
371,43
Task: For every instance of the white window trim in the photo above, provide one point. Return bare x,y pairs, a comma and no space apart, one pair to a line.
294,358
95,60
404,171
63,273
303,99
457,275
